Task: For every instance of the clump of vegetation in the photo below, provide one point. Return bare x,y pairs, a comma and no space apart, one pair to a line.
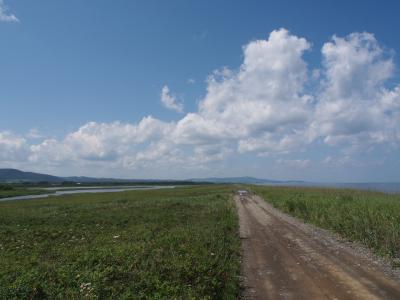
8,190
160,244
371,218
6,187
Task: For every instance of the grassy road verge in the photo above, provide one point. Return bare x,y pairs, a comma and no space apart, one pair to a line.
160,244
371,218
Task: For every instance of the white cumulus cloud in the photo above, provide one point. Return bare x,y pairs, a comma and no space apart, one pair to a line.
295,163
12,147
264,97
355,107
4,15
265,107
170,101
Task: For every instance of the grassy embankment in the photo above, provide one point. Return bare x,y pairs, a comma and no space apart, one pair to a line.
7,190
160,244
371,218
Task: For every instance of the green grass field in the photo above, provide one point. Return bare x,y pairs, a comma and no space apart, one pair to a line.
371,218
7,190
161,244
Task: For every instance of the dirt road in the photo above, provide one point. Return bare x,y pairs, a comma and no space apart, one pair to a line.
285,259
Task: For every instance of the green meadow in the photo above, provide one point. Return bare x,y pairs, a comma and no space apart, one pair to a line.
371,218
177,243
161,244
7,190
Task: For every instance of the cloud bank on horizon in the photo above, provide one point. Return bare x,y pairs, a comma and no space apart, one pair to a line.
272,105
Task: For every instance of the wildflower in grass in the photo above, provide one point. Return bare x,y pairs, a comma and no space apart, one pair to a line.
86,288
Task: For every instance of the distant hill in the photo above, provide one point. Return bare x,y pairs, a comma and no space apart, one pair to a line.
14,175
244,180
84,179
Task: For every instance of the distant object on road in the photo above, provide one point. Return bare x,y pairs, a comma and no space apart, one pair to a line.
243,192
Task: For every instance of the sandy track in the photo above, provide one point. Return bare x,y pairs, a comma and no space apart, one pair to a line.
285,259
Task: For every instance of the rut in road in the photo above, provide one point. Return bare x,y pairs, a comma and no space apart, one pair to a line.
284,258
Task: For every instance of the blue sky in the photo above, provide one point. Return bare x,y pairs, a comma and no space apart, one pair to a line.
80,80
